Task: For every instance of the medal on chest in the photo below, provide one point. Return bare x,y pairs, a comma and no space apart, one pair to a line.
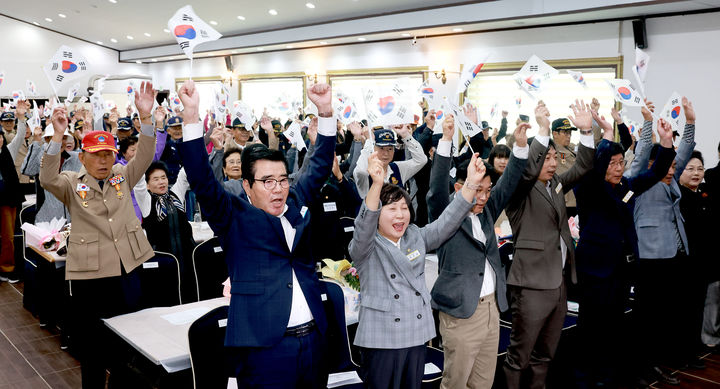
82,190
115,181
562,158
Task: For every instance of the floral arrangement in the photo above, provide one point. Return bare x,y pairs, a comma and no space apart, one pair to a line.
343,272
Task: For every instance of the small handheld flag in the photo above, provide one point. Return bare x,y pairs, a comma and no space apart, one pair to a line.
578,77
533,75
673,112
470,71
190,31
31,89
65,65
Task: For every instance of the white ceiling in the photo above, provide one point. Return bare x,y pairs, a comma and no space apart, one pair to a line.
296,26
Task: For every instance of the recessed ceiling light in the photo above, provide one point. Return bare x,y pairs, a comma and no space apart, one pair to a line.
130,37
62,15
240,17
214,23
48,20
457,29
361,39
36,23
323,43
113,40
98,42
289,46
113,1
310,5
260,49
272,12
166,30
138,61
405,34
147,34
154,60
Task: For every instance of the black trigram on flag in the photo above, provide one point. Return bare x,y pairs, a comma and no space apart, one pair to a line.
54,66
468,128
67,54
187,18
184,45
398,90
534,68
401,112
204,34
82,65
59,78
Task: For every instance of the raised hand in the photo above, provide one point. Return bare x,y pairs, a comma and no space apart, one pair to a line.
647,112
190,98
475,171
159,116
581,117
266,124
665,131
21,109
59,121
321,96
689,111
520,134
471,113
336,169
448,127
144,101
595,105
430,119
356,130
608,130
217,137
375,169
542,118
616,115
504,114
313,130
403,131
37,134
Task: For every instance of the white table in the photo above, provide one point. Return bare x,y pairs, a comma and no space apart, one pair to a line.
160,334
201,231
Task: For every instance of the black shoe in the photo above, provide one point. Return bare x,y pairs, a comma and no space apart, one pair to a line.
658,374
696,363
10,277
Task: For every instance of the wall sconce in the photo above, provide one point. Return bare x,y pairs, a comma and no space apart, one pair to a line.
312,77
441,76
228,78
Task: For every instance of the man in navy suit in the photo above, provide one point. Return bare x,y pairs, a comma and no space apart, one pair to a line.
276,321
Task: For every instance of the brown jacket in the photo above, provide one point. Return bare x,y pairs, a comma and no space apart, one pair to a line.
105,231
536,218
565,158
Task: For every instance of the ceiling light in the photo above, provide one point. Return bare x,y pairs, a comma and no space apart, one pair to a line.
289,46
36,23
154,60
48,20
98,42
113,40
62,15
457,29
166,30
272,12
310,5
361,39
138,61
240,17
147,34
214,23
130,37
323,43
405,34
113,1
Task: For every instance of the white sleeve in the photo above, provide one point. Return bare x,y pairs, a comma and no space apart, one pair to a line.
181,185
360,174
327,126
543,139
444,148
14,146
588,141
409,168
521,152
142,196
192,131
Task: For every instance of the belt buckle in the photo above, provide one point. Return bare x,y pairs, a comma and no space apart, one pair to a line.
630,258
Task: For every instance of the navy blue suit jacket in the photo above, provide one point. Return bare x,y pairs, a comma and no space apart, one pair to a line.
607,229
259,262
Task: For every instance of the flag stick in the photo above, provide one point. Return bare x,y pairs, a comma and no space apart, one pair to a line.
467,139
191,66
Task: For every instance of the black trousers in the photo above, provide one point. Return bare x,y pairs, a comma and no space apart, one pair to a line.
392,368
96,347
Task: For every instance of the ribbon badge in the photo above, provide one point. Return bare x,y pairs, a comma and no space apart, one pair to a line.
82,190
115,181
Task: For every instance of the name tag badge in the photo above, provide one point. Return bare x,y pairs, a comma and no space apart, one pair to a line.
303,211
330,207
628,196
349,229
558,188
150,265
222,323
217,249
413,256
323,297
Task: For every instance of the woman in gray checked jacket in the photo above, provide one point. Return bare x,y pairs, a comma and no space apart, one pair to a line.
389,253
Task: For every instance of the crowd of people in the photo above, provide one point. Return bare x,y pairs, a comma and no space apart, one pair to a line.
133,186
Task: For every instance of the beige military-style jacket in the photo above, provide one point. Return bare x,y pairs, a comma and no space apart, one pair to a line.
106,234
565,157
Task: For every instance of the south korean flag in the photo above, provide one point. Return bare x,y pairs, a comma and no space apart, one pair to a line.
66,65
190,30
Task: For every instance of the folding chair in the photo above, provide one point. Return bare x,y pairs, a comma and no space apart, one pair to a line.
436,357
27,215
206,338
160,281
209,268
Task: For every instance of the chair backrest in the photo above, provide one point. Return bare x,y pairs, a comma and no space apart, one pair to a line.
27,215
160,281
206,338
336,334
209,268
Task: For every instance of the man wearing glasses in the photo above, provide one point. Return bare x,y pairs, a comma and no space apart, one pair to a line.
276,317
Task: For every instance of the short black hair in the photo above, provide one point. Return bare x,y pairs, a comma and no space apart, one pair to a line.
391,193
125,144
654,151
461,172
616,148
698,155
254,153
156,165
498,151
230,151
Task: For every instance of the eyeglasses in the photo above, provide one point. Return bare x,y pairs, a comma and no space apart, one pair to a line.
233,162
618,163
271,183
693,170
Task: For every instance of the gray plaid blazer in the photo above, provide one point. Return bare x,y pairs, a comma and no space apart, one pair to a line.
395,303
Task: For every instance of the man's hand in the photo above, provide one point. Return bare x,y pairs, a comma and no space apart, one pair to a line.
665,131
520,134
128,110
471,113
475,171
21,109
616,116
647,112
321,96
190,98
689,111
356,130
144,101
430,119
595,105
541,117
312,130
336,170
581,118
375,169
159,116
217,137
403,131
59,121
448,127
266,124
608,130
504,114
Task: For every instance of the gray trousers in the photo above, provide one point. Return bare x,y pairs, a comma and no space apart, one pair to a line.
711,321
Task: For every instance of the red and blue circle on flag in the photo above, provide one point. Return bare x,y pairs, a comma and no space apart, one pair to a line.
624,92
68,67
675,112
386,104
185,31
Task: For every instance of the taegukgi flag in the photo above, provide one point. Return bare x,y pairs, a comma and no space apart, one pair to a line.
66,65
533,75
578,77
190,30
625,93
673,112
345,109
388,106
470,71
294,135
640,69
